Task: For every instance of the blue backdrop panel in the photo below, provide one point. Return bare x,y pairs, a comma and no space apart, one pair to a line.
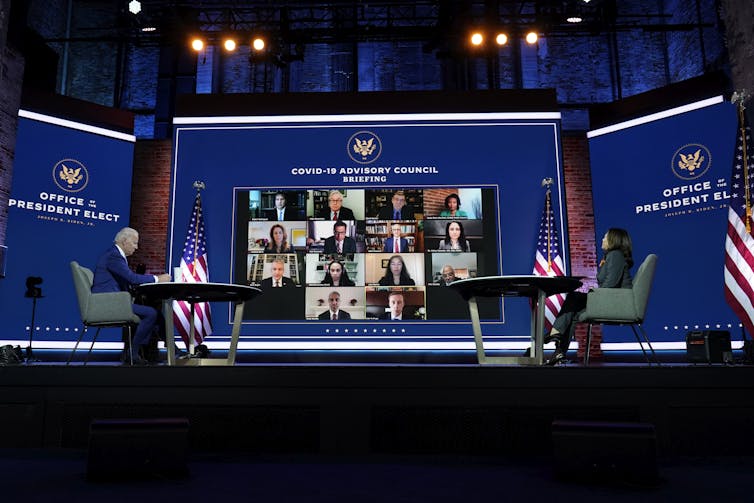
506,154
649,180
71,192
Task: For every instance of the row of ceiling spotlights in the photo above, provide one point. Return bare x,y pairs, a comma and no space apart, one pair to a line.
477,39
229,43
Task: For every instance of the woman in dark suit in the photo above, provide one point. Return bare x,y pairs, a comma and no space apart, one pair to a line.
396,274
614,272
336,275
278,240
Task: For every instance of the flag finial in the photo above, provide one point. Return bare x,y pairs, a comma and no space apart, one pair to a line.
740,97
547,182
199,185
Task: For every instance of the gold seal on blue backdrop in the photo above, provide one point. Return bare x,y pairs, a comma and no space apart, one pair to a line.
364,147
70,175
691,161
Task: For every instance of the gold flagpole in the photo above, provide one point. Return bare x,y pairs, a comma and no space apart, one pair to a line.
199,186
738,99
547,182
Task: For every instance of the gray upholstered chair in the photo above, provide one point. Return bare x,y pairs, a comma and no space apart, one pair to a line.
110,309
622,306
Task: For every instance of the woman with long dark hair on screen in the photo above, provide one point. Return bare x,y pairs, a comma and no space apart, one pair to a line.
336,275
455,238
278,240
614,272
396,273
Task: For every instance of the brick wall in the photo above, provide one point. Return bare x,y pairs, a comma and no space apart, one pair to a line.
581,232
149,202
11,74
434,202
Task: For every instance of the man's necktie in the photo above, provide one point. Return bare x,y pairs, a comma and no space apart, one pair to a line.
396,245
340,246
334,316
396,215
334,215
277,283
280,215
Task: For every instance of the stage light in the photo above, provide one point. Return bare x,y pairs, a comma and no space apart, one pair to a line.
229,44
574,19
501,39
134,6
197,44
258,44
531,38
476,39
148,29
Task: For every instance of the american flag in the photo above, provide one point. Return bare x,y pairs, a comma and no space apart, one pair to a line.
547,261
739,244
194,270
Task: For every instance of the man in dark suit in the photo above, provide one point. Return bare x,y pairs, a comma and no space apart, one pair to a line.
335,209
390,243
339,242
334,313
395,302
280,212
112,274
277,280
398,209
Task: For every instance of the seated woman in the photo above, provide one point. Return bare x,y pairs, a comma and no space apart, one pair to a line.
278,240
613,273
336,275
452,205
396,274
455,238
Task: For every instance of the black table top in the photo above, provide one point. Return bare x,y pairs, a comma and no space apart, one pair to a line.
198,292
515,286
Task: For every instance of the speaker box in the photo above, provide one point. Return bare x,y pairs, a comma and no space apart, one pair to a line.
708,346
137,448
592,451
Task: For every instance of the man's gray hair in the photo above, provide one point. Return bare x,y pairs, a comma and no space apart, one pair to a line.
124,233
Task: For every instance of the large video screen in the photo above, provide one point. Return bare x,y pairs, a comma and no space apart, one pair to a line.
364,217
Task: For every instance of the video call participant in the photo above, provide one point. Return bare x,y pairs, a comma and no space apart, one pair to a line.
340,243
455,238
278,240
277,280
112,274
452,205
396,303
335,209
396,243
447,275
336,275
396,273
334,313
281,211
397,210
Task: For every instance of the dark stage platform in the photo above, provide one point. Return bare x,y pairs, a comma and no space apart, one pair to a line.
383,408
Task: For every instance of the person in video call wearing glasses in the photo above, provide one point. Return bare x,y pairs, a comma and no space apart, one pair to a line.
334,313
335,209
395,243
398,209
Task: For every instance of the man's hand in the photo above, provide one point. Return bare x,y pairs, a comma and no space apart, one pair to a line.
163,278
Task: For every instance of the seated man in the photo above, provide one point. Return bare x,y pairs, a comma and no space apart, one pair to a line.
334,313
395,302
396,243
448,275
335,209
112,274
339,242
281,211
398,210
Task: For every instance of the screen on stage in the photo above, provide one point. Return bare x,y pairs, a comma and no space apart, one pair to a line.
71,192
666,179
353,225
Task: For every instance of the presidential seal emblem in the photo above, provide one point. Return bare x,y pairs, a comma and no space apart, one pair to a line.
70,175
364,147
691,161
